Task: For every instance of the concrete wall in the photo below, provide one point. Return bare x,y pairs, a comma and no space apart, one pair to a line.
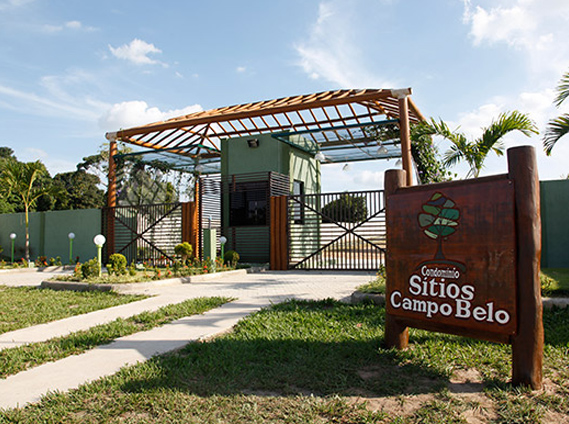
49,233
555,223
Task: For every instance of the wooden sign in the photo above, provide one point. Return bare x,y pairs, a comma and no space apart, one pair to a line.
464,258
452,256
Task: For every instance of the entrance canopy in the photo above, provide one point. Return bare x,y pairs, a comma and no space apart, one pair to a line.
342,125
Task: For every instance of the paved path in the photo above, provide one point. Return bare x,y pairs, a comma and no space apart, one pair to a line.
253,291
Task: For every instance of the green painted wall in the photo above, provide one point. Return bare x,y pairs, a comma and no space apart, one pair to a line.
237,158
48,233
555,223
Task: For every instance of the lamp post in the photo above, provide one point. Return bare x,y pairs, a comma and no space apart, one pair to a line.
99,241
71,237
13,237
222,241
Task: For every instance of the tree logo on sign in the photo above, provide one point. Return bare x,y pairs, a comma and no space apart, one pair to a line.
438,220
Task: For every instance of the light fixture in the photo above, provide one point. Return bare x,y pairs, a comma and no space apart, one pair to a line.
99,240
13,237
199,168
253,143
399,162
320,157
346,167
71,236
382,150
222,241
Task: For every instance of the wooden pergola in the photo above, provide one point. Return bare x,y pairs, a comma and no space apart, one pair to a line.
197,136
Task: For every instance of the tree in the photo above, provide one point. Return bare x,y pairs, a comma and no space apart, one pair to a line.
347,208
24,180
559,126
439,220
476,151
426,156
78,190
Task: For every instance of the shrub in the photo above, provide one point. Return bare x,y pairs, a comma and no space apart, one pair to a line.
347,208
231,257
185,250
132,269
90,269
117,264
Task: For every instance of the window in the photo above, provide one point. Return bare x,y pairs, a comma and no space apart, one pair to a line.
297,208
248,204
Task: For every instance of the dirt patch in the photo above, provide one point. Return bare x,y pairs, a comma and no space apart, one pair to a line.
465,387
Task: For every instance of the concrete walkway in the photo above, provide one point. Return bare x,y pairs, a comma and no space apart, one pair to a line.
252,291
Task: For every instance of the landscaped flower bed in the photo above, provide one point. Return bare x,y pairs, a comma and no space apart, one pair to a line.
118,273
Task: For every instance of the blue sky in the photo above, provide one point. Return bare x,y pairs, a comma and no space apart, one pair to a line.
72,70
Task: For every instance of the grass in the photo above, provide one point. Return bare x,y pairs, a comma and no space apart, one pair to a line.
44,305
316,362
556,281
21,358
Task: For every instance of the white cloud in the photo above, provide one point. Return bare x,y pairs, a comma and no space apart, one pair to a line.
134,113
240,69
136,52
71,25
329,52
9,4
32,103
537,28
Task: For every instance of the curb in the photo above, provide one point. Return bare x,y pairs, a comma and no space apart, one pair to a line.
379,299
78,286
36,269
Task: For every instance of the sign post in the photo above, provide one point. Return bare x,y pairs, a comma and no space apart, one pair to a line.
463,258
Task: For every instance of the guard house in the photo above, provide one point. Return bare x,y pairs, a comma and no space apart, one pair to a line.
253,169
256,168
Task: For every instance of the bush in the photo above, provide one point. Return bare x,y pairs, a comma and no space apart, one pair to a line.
132,269
117,264
231,257
347,208
90,269
185,250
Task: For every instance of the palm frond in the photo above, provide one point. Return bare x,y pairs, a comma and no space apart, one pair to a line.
556,129
506,122
562,90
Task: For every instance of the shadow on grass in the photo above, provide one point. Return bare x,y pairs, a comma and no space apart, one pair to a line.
320,348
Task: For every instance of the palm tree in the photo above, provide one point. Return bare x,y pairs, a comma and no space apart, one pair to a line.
23,180
475,152
559,126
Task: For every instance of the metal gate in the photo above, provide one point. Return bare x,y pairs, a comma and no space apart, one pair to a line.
337,231
146,233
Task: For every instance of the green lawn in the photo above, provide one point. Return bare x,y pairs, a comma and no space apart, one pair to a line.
21,358
319,362
26,306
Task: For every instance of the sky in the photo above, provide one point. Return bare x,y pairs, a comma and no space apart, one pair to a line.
72,70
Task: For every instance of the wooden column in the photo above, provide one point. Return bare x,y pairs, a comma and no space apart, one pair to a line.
278,233
196,220
112,176
396,335
405,138
111,199
527,344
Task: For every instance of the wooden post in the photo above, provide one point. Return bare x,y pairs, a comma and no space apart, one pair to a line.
278,233
396,335
111,199
196,216
527,344
405,138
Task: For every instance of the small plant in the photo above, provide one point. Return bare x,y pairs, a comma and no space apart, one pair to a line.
231,257
157,274
77,271
58,261
117,264
90,269
184,250
41,261
132,269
